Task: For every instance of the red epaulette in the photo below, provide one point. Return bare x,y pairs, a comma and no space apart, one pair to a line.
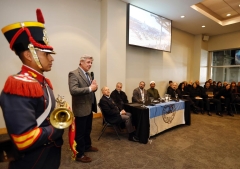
23,85
49,83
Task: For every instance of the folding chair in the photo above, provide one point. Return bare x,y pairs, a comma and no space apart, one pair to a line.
107,124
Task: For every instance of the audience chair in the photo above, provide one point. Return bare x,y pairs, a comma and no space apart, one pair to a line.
107,124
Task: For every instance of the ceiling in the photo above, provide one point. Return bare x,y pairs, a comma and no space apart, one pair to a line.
211,13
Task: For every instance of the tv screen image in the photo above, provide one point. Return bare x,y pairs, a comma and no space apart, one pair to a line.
148,30
237,57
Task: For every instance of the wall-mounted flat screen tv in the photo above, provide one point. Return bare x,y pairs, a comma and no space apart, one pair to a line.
146,29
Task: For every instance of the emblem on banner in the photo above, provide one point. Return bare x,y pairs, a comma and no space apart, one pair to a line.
169,112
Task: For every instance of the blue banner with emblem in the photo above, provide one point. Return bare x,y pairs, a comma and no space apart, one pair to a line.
166,115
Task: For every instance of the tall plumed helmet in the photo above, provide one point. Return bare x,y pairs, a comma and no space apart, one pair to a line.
28,36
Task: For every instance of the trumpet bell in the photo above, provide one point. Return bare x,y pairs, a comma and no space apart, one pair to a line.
61,118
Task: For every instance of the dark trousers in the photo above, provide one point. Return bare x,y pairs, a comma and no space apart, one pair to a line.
227,102
83,131
199,103
47,157
217,103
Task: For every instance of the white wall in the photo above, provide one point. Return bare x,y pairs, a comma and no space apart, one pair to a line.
73,29
224,41
113,39
147,65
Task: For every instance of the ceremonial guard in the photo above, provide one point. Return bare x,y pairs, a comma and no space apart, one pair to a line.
27,98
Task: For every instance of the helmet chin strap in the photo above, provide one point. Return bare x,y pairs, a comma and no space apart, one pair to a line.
34,54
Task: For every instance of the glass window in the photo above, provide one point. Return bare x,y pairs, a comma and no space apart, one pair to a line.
225,65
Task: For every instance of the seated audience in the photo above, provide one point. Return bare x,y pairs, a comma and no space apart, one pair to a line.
226,96
217,88
208,96
152,92
235,92
119,97
214,84
225,84
196,96
233,87
189,86
185,95
198,85
140,94
113,115
210,81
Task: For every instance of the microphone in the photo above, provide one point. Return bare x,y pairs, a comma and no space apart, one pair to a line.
92,75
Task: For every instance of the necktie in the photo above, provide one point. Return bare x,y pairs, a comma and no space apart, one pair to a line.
88,78
92,94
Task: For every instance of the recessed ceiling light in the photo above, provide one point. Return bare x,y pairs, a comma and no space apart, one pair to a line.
182,16
203,26
239,5
228,14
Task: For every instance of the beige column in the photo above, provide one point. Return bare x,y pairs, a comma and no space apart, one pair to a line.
113,43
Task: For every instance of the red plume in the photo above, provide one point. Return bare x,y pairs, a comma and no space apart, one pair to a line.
40,17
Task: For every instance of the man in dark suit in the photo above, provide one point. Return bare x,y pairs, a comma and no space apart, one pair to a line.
112,114
169,86
174,90
82,88
119,97
140,94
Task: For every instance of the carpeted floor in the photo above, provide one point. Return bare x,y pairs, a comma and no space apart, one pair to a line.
210,142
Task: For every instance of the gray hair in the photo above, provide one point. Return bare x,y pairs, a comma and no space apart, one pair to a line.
118,83
84,57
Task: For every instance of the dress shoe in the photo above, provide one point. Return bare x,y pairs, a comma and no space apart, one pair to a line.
84,159
92,149
133,138
209,113
219,114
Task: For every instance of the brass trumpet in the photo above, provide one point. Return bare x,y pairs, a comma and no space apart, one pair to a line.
61,117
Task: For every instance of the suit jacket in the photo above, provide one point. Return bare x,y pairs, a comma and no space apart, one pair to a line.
137,97
82,98
110,110
172,92
119,98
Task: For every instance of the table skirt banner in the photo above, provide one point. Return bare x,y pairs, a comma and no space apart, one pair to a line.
166,115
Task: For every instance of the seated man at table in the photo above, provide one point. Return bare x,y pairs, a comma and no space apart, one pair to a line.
119,97
169,85
174,90
140,94
152,92
113,115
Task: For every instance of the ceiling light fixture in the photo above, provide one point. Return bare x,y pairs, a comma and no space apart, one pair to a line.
203,26
182,16
228,14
